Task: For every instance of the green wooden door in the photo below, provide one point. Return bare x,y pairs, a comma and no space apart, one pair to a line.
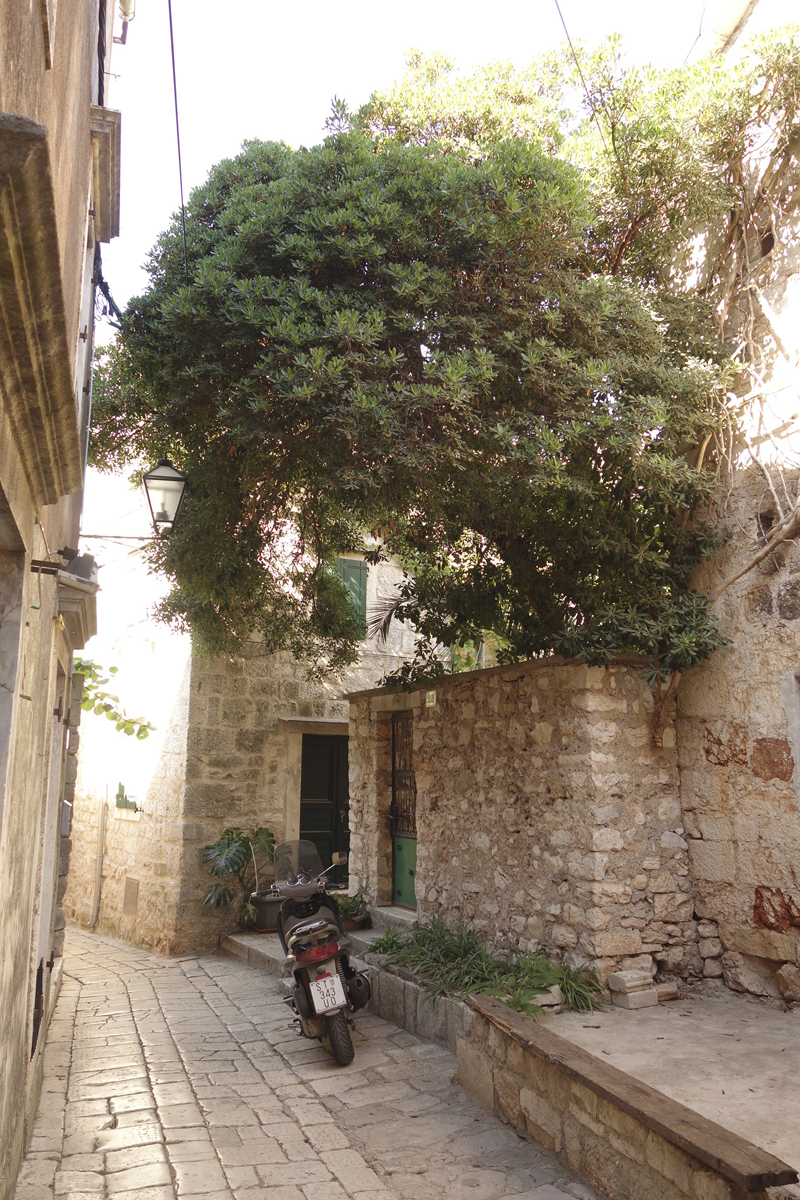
405,871
404,811
325,799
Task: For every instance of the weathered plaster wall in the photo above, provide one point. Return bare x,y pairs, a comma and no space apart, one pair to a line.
739,746
544,814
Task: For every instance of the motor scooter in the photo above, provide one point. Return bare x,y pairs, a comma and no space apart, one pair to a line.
327,987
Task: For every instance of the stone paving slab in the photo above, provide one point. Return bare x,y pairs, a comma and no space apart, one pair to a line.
183,1080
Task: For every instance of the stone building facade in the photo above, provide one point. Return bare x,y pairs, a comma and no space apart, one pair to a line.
738,736
231,757
59,147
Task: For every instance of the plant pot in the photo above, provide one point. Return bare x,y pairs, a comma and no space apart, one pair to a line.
352,923
267,909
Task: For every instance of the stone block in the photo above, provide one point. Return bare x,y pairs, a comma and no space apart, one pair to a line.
475,1072
772,759
635,1000
672,841
594,702
454,1011
708,1185
762,943
411,993
392,998
497,1044
629,981
613,942
542,1120
506,1093
710,947
607,839
431,1018
707,929
606,1169
673,907
743,976
375,977
788,978
712,861
667,991
669,1161
712,968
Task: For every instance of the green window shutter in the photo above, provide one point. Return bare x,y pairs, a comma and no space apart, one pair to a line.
353,574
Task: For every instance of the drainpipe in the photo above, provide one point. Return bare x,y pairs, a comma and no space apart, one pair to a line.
98,870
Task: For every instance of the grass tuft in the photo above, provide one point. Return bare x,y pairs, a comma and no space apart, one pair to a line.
457,962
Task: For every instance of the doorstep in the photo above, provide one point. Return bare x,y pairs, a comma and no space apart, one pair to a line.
392,916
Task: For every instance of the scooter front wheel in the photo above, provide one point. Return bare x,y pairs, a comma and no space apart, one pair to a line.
338,1031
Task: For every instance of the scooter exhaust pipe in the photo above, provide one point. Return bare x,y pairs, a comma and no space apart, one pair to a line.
359,991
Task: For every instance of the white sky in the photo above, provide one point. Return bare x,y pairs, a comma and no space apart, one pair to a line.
254,68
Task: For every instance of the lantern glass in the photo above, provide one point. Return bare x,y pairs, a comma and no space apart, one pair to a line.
164,488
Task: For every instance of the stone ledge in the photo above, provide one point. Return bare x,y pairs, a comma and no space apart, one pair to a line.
262,950
589,1110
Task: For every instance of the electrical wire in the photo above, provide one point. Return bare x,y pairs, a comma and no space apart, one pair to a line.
580,72
178,135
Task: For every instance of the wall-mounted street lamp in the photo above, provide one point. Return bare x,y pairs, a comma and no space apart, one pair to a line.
164,488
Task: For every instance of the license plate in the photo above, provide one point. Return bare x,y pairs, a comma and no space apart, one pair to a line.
327,994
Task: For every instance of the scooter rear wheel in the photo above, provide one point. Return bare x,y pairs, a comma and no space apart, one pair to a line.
338,1032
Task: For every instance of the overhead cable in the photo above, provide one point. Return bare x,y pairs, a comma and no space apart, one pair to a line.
580,72
178,135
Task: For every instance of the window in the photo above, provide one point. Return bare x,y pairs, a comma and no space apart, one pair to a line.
353,574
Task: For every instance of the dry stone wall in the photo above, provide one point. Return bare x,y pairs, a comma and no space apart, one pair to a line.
545,816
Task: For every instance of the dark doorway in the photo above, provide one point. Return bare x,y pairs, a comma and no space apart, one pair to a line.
404,811
325,799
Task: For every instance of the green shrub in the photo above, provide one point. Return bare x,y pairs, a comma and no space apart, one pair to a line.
236,860
350,907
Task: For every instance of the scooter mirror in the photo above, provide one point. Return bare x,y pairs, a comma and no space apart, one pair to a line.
338,859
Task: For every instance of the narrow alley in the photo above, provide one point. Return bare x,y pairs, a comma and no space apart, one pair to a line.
182,1078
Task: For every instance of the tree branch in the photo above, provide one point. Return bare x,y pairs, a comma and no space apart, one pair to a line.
788,529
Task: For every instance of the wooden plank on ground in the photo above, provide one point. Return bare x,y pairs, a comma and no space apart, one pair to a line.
732,1156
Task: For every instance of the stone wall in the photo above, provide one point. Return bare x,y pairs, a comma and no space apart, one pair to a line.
145,847
545,816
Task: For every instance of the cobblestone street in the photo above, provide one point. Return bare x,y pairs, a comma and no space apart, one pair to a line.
182,1078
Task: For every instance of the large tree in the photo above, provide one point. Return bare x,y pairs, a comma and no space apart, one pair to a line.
394,347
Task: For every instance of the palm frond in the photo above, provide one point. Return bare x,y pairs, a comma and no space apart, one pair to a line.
381,614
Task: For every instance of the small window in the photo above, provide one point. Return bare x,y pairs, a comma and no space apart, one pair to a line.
353,574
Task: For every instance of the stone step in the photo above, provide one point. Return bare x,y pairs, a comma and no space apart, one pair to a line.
264,950
401,920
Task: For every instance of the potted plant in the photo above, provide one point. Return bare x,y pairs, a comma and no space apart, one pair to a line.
241,862
351,910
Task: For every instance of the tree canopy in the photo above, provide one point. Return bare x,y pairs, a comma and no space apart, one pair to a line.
465,331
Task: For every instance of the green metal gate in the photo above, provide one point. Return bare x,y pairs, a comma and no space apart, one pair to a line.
404,811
